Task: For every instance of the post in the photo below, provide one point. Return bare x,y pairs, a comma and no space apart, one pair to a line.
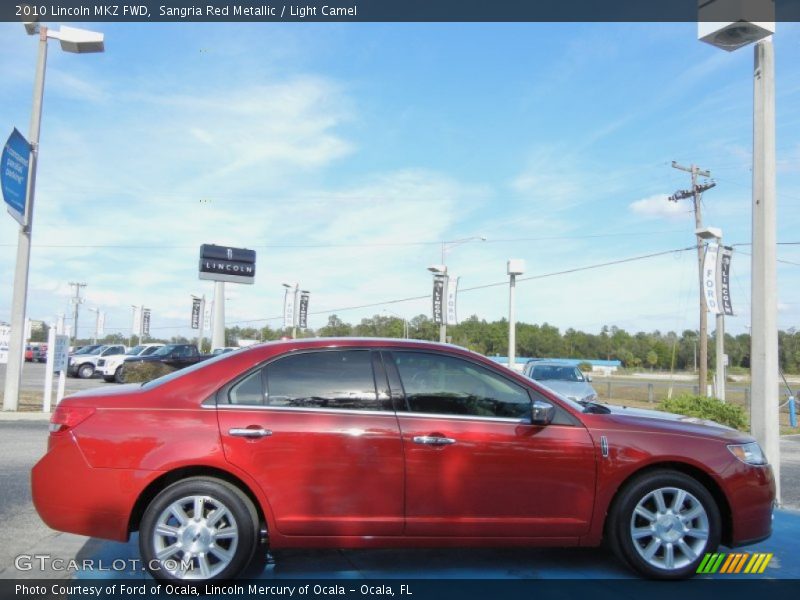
96,323
62,382
48,375
296,311
608,390
201,331
720,339
443,326
763,320
512,322
20,294
218,329
702,375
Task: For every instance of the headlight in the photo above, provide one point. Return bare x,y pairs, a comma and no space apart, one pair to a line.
748,453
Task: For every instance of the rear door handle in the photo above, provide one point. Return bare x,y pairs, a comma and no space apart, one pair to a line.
433,440
249,433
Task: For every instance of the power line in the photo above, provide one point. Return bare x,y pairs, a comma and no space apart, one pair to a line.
358,245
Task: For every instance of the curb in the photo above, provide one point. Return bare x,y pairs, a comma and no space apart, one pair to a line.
8,415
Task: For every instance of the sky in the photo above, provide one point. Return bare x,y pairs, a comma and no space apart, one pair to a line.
345,154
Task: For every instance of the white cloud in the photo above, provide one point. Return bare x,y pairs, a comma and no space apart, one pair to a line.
658,206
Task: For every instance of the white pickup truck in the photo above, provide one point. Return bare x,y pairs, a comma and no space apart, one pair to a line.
111,367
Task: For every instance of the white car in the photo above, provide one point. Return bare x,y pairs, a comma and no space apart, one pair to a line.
111,367
83,363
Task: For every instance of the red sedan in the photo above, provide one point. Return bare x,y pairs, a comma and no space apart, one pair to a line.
387,443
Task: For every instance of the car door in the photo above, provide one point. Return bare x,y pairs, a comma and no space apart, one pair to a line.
321,440
475,465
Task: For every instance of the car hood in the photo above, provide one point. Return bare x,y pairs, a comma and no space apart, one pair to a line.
571,389
670,423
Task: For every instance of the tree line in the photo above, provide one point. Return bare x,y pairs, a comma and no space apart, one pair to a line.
641,350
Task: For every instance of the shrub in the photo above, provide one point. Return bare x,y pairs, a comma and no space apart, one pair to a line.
145,371
585,367
712,409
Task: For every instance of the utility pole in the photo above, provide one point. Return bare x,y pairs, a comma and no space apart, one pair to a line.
76,301
696,193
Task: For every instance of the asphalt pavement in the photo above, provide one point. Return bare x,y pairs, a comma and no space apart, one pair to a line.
22,443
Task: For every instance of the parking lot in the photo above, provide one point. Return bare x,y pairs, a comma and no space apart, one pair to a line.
23,442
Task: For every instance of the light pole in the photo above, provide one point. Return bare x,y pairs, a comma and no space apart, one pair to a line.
201,321
764,414
440,274
515,266
96,312
72,40
712,233
440,279
405,322
290,307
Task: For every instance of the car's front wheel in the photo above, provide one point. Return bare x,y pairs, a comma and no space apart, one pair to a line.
119,374
663,524
86,371
198,529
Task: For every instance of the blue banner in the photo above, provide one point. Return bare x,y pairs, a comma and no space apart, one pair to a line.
14,168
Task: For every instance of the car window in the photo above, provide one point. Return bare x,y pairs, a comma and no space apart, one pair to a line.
249,390
149,350
446,385
339,379
556,372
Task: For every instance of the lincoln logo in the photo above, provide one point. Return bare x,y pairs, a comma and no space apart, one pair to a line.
230,254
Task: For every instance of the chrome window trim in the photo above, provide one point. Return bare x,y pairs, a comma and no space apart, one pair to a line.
333,411
351,411
463,417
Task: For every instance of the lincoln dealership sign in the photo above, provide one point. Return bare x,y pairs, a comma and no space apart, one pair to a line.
220,263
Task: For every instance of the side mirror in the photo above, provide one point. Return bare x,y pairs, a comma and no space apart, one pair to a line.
542,413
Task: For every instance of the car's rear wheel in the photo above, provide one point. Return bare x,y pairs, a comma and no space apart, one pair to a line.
198,529
86,371
119,375
663,524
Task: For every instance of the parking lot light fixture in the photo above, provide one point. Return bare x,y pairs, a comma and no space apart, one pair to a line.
729,31
72,40
515,266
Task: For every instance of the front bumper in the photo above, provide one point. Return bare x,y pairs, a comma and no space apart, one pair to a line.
751,493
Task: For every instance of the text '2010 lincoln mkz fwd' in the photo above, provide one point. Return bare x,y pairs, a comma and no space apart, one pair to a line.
359,443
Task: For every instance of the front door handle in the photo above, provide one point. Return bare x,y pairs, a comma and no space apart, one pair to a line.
433,440
249,433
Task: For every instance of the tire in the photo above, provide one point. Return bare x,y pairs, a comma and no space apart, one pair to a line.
119,375
108,378
86,371
663,523
168,529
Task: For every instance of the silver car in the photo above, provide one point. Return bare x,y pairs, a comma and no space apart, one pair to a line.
566,380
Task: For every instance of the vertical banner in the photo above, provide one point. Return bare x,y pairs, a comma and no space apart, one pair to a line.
438,299
145,322
725,256
136,326
5,340
14,168
710,278
207,317
288,308
101,323
303,319
452,297
196,313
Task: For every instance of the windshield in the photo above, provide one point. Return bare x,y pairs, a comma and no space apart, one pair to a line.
87,350
551,372
164,350
134,351
181,372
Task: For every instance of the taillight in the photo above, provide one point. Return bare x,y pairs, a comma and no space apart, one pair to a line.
67,417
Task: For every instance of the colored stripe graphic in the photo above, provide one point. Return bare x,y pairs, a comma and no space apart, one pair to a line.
734,563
